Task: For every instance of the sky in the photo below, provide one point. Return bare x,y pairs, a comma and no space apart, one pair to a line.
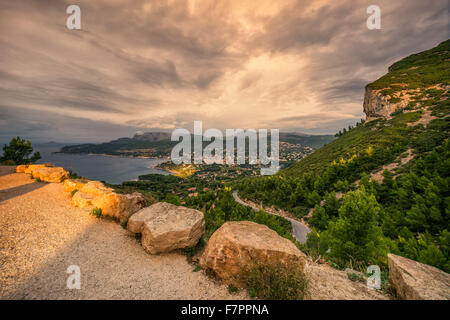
139,66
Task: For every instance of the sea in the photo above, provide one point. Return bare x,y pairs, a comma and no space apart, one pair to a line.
112,169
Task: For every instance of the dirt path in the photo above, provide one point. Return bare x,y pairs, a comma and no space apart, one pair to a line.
41,235
299,230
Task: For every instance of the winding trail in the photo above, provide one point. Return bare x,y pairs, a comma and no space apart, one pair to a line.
41,235
299,230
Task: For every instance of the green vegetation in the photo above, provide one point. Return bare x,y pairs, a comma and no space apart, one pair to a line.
172,188
232,288
388,137
405,212
97,212
356,277
274,281
125,147
350,127
419,70
220,207
355,234
73,192
312,141
74,175
18,152
197,268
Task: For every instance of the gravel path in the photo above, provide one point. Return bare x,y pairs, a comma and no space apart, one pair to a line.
41,235
299,230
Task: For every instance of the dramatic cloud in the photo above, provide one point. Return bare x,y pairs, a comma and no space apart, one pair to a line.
158,65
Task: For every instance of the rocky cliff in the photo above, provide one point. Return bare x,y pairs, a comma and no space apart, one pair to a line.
376,104
409,83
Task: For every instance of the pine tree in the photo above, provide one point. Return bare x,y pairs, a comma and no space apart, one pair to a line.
356,235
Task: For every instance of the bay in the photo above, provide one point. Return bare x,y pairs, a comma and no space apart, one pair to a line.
112,169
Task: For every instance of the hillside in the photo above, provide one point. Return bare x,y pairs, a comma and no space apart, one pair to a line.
382,186
412,83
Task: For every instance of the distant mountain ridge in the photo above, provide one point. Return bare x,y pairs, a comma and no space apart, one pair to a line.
152,136
158,144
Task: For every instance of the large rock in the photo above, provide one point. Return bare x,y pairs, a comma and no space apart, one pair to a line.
50,174
31,167
82,200
166,227
238,244
119,206
96,188
73,184
417,281
378,105
21,168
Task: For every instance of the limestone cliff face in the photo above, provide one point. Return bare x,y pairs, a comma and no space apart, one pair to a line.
377,105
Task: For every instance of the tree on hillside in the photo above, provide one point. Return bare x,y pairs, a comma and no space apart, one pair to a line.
356,235
19,151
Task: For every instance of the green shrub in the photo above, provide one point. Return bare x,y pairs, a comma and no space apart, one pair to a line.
97,212
74,191
355,277
355,234
232,288
275,281
197,268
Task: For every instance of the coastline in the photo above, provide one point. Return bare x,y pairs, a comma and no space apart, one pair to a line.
113,155
114,169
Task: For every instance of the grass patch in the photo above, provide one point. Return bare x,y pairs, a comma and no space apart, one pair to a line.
73,192
418,71
232,288
97,212
275,281
197,268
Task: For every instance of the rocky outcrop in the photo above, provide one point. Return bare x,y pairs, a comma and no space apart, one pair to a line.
50,174
82,200
21,168
377,105
166,227
28,168
73,184
44,172
95,194
95,188
119,206
238,244
417,281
